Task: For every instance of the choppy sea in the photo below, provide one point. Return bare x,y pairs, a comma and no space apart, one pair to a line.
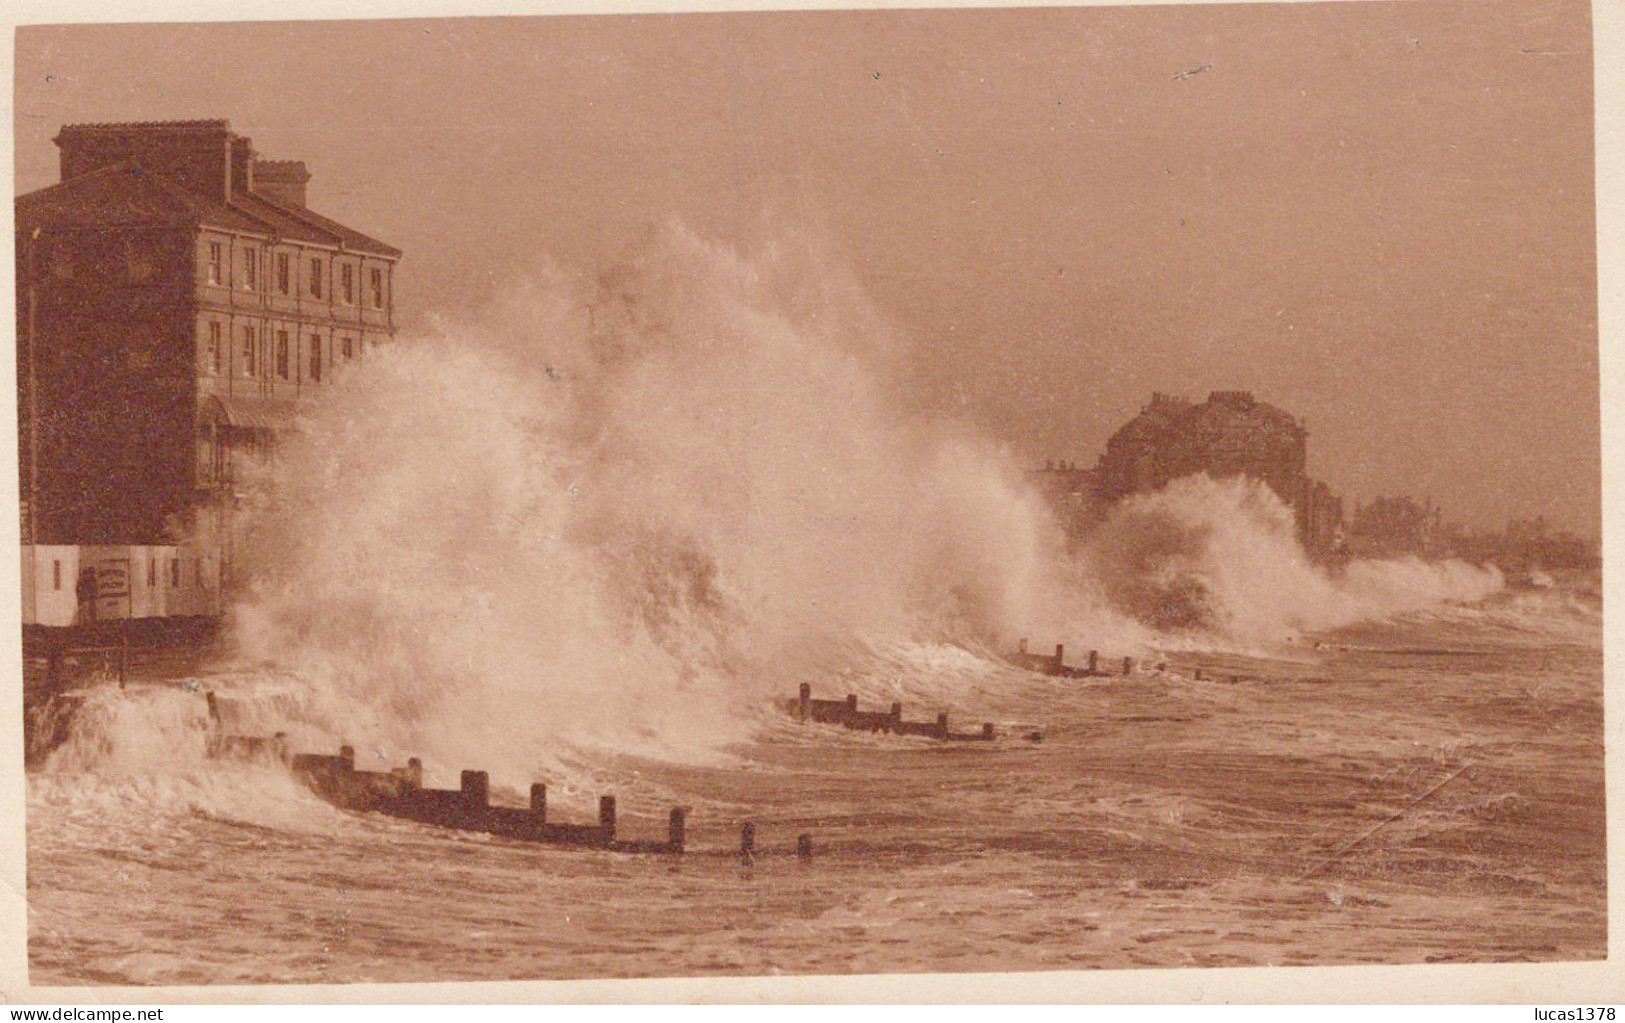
1422,788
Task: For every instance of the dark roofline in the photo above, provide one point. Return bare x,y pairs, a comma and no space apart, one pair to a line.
349,237
199,211
212,124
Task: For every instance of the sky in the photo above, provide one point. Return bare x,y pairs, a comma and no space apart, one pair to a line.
1378,216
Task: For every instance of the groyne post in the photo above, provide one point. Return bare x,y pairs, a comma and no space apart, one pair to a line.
942,725
1060,655
414,772
538,802
1094,661
851,704
1128,665
987,729
804,847
606,817
747,842
806,696
347,755
896,716
676,829
476,788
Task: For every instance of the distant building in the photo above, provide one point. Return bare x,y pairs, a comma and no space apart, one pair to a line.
1396,525
177,304
1074,493
1230,434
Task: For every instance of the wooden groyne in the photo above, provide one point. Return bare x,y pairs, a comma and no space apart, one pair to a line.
846,713
1055,665
400,792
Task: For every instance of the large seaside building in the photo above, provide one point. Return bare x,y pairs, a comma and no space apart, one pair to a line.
1230,434
177,303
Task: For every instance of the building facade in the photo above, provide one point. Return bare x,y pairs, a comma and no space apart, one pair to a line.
178,304
1230,434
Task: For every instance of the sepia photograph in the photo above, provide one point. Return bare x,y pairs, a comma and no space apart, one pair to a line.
809,493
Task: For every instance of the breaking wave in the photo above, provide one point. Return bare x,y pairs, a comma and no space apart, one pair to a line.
1211,559
618,513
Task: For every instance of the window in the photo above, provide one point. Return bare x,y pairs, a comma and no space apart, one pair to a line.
137,261
348,351
251,269
214,263
282,354
316,357
376,281
213,354
249,351
315,278
175,572
282,272
347,284
56,575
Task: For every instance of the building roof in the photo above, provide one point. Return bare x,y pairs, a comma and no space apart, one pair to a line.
1165,416
308,225
128,194
125,194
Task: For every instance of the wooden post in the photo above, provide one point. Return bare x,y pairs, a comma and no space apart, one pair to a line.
676,828
804,847
942,725
987,729
851,704
414,772
347,755
476,786
1060,655
214,707
1128,665
806,695
896,715
1094,661
538,802
747,842
606,817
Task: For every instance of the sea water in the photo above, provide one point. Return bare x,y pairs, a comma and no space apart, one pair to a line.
1423,789
597,536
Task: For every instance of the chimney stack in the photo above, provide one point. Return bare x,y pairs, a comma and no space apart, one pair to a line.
242,165
197,155
283,181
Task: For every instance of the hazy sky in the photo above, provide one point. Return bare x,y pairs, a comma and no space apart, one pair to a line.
1376,215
